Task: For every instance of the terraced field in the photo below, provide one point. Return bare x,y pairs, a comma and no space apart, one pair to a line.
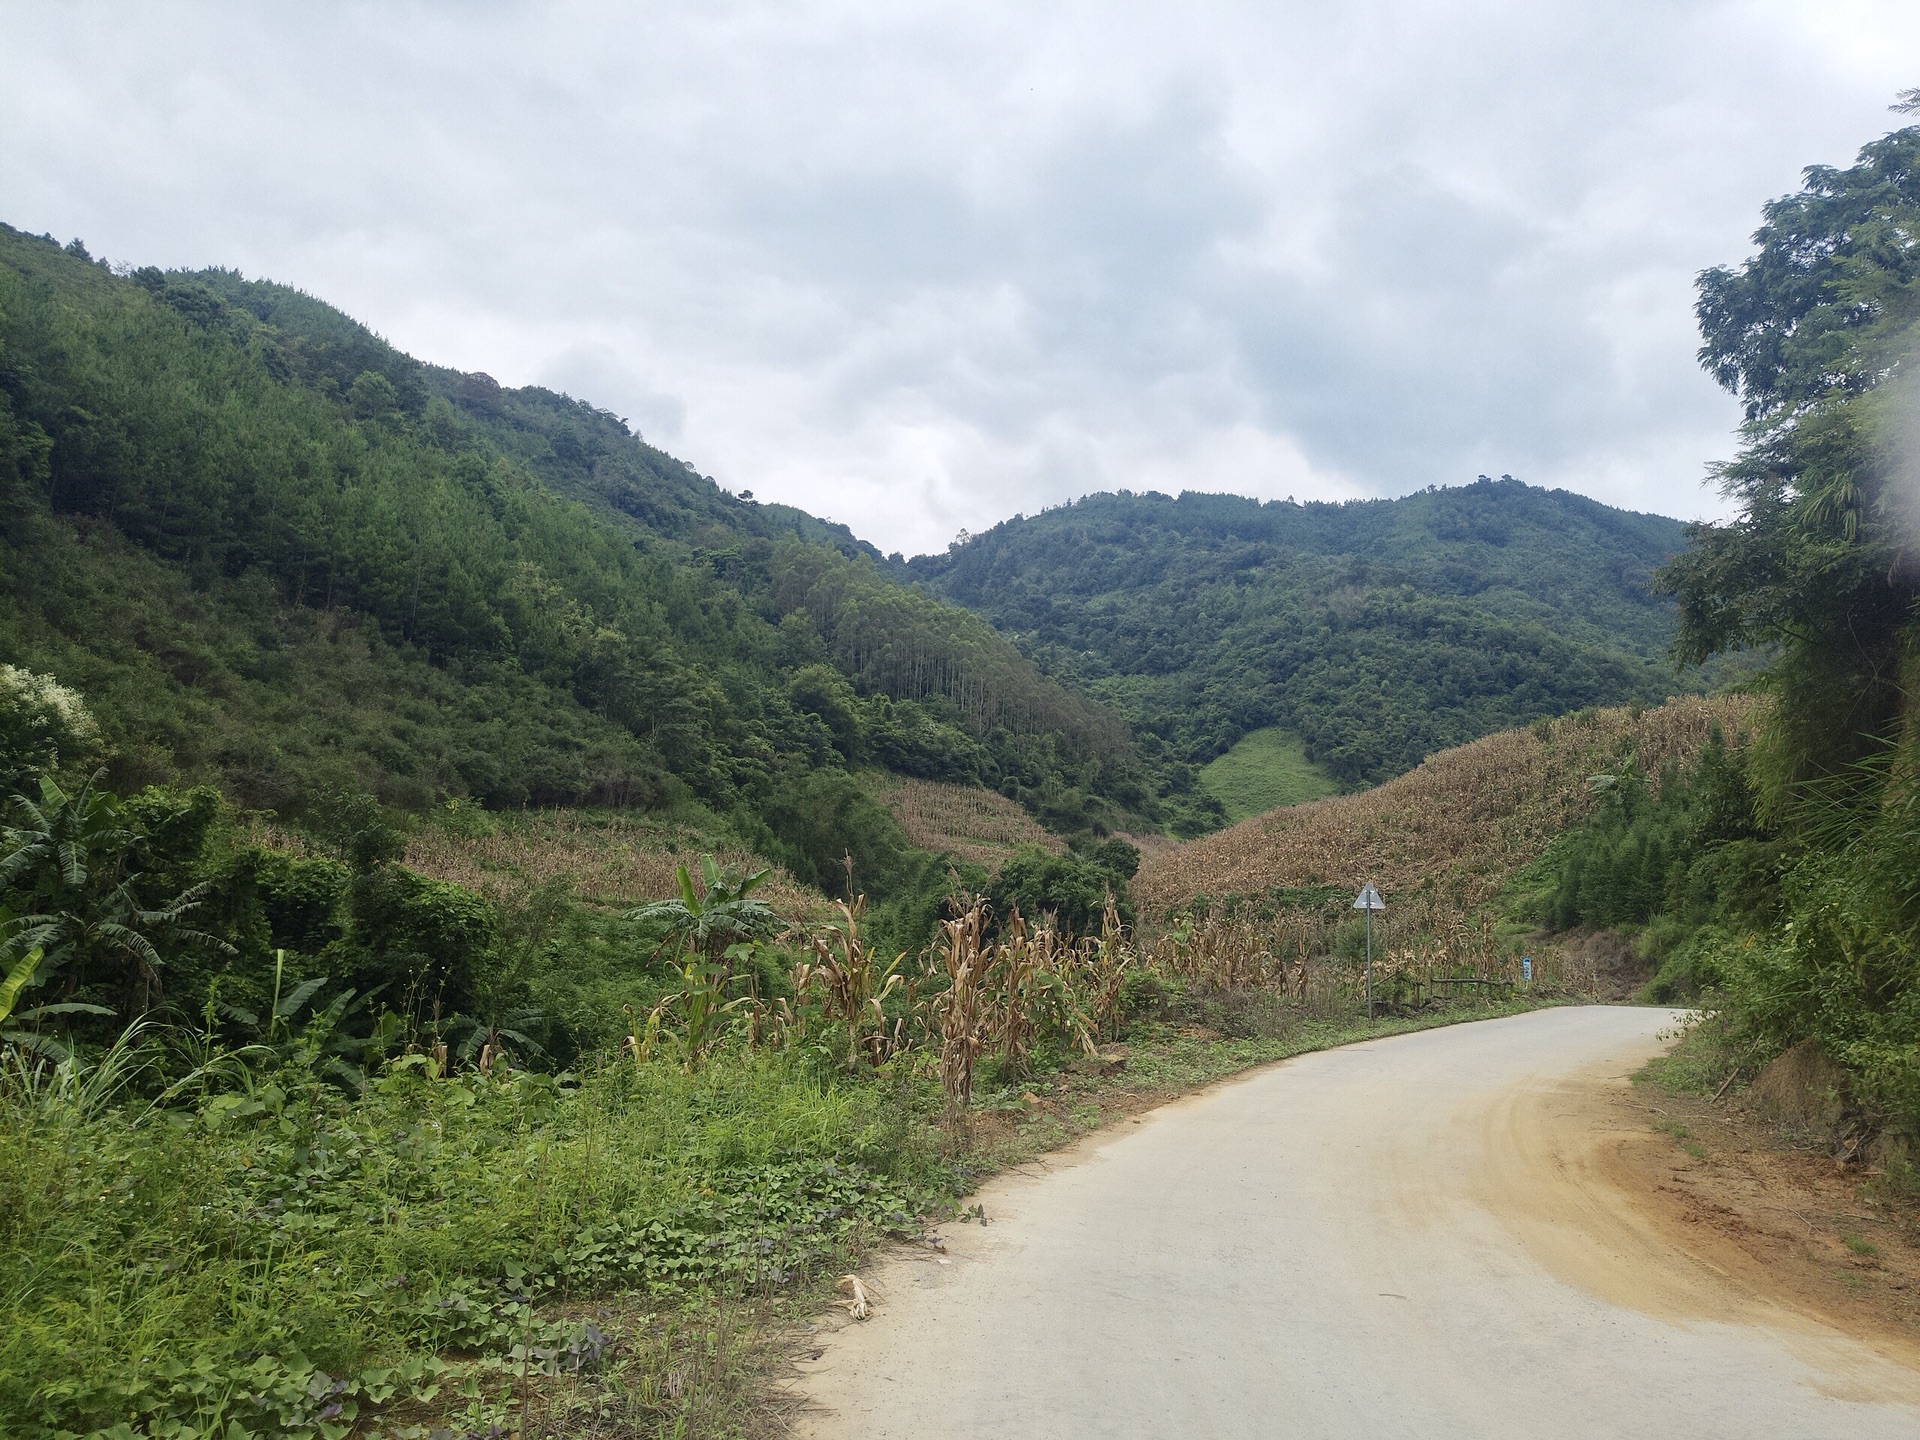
972,823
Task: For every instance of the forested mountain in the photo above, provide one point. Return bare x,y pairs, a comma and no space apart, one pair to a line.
272,551
1379,631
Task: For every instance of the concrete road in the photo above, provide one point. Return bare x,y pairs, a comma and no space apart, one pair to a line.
1409,1237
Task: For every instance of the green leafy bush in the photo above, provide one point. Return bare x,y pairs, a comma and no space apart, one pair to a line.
818,820
285,1256
1073,888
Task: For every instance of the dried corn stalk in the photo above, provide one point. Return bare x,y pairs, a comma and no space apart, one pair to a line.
960,1012
856,1304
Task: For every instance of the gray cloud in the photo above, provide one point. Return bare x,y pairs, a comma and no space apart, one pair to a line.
919,267
597,373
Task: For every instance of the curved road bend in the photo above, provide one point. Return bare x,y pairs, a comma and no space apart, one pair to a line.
1400,1238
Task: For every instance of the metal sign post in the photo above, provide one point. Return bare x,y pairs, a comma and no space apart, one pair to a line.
1369,901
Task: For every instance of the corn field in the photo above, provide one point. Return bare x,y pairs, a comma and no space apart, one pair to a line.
993,996
1453,829
974,824
975,993
1310,958
605,858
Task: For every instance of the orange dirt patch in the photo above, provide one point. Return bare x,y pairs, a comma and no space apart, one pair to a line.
1793,1224
1695,1212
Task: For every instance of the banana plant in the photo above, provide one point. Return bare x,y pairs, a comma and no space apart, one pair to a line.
485,1041
694,1019
67,857
23,976
712,921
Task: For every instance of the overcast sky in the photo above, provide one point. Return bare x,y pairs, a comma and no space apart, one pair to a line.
919,267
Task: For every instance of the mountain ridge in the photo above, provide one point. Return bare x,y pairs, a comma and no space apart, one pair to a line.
655,639
1459,610
273,551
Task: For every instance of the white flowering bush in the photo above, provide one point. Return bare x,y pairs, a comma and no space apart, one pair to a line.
43,726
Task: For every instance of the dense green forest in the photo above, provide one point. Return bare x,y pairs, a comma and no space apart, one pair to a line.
1781,878
276,554
1375,631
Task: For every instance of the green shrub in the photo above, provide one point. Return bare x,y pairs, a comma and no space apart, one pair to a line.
1072,888
420,938
818,819
288,1232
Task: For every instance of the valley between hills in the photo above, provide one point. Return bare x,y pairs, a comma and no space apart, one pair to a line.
498,930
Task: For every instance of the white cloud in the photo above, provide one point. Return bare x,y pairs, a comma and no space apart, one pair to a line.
919,267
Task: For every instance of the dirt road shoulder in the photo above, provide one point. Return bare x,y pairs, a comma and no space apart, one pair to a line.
1791,1223
1688,1210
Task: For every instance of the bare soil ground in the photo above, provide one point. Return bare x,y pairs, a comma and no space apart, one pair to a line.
1787,1221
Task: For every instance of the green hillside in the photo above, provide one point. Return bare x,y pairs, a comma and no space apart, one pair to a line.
1264,769
273,552
1376,631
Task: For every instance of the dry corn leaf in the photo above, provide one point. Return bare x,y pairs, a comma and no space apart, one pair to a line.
856,1304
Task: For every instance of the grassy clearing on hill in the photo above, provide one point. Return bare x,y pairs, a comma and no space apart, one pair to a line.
1264,771
1453,829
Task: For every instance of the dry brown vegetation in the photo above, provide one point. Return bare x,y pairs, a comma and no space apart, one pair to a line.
607,858
973,824
1426,955
1006,991
1455,828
